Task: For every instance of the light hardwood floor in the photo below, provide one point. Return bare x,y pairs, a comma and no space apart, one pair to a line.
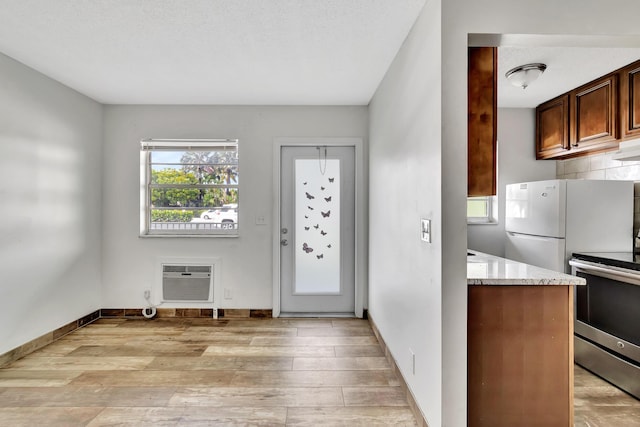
599,404
270,372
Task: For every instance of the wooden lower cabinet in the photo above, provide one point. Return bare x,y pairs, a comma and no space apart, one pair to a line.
520,356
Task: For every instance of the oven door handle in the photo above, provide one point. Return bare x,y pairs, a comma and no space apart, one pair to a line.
609,272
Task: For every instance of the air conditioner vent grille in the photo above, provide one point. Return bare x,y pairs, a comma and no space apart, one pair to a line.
199,269
174,268
187,283
187,268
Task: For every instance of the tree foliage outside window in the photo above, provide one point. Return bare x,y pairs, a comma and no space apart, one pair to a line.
191,187
481,210
173,196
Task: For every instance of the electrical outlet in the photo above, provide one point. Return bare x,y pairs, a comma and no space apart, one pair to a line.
227,293
147,294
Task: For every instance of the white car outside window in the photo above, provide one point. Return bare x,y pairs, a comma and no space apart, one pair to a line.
227,215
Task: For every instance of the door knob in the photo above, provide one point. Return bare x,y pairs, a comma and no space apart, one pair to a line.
284,242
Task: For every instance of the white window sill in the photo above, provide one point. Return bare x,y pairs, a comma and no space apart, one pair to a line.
482,223
197,236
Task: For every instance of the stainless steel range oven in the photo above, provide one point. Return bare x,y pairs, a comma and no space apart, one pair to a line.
607,317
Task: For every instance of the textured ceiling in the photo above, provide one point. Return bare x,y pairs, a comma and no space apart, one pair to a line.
567,68
259,52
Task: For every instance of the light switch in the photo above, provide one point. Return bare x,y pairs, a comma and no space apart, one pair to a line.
425,230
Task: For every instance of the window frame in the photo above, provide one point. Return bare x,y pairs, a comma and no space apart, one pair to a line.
491,217
201,229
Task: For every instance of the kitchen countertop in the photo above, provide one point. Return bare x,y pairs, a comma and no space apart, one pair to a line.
485,269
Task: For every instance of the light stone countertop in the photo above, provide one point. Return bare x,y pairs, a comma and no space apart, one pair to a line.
485,269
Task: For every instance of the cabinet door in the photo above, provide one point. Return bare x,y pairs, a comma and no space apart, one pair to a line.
552,128
520,356
630,100
482,121
594,115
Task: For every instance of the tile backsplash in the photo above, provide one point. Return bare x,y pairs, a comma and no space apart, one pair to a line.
602,166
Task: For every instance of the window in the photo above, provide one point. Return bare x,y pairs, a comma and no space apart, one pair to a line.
188,187
480,210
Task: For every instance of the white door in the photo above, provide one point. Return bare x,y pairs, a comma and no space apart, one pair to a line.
317,234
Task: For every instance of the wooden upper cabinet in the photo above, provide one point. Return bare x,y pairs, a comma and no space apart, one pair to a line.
552,128
630,100
600,114
594,115
482,121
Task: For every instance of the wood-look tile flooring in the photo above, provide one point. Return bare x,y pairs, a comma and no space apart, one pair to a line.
201,372
599,404
174,372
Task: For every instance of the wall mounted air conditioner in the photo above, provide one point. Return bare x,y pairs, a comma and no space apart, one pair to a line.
187,283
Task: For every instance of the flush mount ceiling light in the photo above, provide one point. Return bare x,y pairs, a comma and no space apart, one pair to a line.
523,75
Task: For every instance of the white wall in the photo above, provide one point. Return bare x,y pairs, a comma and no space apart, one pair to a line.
128,261
459,18
405,185
516,163
50,174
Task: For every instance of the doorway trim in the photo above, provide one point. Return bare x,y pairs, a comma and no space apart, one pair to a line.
360,217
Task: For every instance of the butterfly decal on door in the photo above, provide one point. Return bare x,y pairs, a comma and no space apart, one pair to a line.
318,223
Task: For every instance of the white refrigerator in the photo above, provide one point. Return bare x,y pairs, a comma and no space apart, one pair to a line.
546,221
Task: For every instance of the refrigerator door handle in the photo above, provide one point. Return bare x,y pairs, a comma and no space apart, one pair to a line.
532,237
